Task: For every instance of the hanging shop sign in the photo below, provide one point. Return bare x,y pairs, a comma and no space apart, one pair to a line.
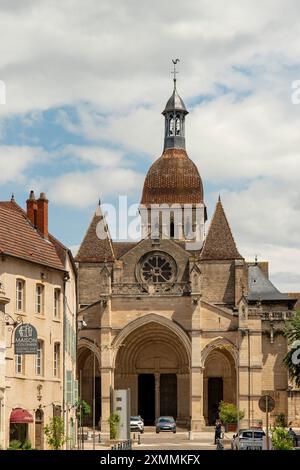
26,340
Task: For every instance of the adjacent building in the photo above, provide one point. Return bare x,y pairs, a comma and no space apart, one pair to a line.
38,287
180,318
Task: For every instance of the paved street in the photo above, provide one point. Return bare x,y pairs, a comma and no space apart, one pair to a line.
169,441
166,441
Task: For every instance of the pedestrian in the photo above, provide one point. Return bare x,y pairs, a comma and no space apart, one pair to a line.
218,430
293,436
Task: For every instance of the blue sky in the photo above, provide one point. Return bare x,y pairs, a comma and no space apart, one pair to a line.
85,86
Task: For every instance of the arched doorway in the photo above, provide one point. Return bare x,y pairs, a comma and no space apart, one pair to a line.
154,363
86,357
39,431
219,382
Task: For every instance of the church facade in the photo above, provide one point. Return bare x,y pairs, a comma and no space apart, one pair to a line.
180,318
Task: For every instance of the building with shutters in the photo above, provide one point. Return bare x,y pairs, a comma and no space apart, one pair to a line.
179,317
38,286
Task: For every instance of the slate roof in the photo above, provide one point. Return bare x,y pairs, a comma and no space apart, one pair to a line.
20,239
219,243
261,288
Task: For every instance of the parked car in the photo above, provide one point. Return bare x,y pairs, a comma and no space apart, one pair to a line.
137,424
165,423
248,439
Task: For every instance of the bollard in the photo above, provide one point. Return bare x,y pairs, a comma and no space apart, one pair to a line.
139,439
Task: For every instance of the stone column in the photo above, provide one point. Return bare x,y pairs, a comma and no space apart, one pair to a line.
157,395
183,386
106,367
197,420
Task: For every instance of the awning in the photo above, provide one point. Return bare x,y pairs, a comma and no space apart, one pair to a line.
19,415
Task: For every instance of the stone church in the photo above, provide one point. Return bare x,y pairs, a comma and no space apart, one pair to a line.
183,325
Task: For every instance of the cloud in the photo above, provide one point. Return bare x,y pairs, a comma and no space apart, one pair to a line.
110,61
83,189
15,160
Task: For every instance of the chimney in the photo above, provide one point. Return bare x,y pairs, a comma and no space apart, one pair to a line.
42,215
32,208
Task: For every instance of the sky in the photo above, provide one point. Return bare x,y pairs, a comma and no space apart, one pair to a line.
85,85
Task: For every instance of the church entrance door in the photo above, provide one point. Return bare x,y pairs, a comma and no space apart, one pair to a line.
146,398
168,395
215,395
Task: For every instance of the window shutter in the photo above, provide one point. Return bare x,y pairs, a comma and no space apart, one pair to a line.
75,391
69,386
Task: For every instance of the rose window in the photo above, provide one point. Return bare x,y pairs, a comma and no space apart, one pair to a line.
157,267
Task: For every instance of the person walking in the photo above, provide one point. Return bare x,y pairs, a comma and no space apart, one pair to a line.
218,430
293,436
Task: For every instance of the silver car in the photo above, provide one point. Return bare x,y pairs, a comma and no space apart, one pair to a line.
248,439
165,423
136,424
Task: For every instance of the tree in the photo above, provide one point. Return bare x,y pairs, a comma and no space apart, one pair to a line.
229,413
84,407
281,440
292,358
114,420
55,433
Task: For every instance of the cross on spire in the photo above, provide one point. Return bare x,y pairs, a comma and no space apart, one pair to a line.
174,72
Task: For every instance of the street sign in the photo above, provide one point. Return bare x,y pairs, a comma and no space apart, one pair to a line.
266,403
26,340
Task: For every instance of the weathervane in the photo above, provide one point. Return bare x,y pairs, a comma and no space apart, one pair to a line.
175,61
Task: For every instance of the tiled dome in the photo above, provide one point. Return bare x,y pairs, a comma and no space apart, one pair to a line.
173,178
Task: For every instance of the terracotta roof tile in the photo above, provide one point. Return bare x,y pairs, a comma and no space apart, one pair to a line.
19,238
173,178
93,249
219,243
120,248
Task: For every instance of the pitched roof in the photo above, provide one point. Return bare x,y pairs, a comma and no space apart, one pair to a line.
120,248
93,248
261,288
19,238
219,243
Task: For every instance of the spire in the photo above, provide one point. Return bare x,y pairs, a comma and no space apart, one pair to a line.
174,113
97,244
219,243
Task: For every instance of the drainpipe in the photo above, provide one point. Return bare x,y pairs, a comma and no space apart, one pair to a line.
65,418
249,381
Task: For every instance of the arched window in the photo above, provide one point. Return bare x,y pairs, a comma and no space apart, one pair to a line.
177,125
39,358
56,303
171,126
39,299
20,294
172,230
56,360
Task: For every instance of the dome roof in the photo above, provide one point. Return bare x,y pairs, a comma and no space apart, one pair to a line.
173,178
175,102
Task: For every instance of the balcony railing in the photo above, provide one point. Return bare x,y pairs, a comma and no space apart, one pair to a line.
277,315
162,288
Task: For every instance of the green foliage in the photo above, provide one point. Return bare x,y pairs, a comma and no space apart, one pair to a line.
55,433
280,420
15,445
26,445
292,332
85,408
18,445
229,413
281,440
114,420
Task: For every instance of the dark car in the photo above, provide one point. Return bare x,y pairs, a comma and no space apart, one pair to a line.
165,423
